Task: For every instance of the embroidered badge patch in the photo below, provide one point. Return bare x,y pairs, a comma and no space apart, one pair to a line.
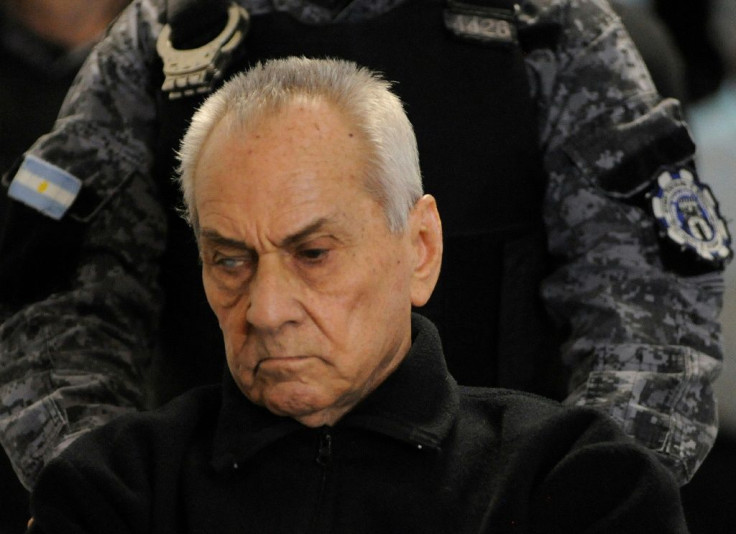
688,215
44,187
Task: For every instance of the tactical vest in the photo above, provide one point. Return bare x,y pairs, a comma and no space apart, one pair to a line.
469,102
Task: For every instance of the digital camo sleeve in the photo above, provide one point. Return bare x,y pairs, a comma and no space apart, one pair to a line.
644,342
72,360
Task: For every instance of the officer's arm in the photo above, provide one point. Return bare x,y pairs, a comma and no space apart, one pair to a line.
82,289
644,341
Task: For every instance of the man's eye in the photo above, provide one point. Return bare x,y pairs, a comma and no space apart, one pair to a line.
313,254
229,263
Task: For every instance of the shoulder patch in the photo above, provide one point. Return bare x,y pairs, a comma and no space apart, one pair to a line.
44,187
688,215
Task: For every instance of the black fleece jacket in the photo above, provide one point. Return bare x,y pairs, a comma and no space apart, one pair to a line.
420,454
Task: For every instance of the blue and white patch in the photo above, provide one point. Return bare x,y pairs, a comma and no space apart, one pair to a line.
688,215
44,187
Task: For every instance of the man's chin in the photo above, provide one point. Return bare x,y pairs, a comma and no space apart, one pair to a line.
299,406
306,407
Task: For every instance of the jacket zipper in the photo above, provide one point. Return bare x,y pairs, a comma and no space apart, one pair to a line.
324,453
324,459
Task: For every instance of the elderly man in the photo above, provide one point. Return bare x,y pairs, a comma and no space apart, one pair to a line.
301,181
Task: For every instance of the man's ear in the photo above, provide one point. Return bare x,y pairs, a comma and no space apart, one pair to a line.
426,239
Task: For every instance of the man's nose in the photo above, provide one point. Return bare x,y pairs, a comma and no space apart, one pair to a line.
273,294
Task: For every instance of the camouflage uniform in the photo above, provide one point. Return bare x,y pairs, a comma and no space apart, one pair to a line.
644,341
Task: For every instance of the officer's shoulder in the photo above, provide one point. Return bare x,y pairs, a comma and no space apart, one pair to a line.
579,21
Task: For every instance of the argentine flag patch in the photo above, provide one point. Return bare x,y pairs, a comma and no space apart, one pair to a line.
44,187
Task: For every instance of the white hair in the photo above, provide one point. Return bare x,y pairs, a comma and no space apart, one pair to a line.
392,177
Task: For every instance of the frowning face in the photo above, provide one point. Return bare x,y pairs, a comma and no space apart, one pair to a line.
312,291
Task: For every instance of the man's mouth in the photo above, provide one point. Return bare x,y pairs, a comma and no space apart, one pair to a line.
281,360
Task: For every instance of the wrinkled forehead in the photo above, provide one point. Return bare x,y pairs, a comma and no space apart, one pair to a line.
306,154
304,132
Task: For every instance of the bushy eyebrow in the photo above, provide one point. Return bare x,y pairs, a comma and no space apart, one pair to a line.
290,241
298,237
216,238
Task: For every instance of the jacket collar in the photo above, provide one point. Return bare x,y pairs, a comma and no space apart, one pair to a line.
417,404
